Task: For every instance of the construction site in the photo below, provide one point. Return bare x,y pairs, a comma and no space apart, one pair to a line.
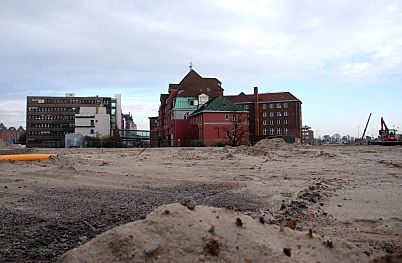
281,202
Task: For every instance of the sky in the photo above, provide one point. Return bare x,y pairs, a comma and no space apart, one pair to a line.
341,58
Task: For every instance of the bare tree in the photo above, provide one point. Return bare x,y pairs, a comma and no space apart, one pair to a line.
239,132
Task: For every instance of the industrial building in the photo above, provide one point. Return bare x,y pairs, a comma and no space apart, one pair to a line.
48,119
307,135
272,115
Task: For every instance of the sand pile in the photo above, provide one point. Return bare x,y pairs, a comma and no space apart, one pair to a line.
175,232
271,143
264,147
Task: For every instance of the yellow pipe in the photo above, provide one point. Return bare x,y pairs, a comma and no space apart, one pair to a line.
26,157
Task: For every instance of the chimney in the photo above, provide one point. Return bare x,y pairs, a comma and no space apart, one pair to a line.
256,112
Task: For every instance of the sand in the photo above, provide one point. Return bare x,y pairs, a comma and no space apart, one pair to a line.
340,192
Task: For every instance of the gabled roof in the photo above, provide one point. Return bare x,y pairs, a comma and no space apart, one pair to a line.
219,104
193,85
2,127
21,128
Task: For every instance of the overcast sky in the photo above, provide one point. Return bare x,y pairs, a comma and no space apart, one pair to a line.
341,58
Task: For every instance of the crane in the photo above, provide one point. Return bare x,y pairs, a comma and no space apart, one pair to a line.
365,129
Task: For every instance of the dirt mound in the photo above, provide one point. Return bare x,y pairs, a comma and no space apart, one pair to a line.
264,147
206,234
271,143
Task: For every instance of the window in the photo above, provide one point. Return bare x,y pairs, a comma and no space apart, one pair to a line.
285,105
264,122
271,122
272,131
265,131
278,122
264,106
92,131
279,114
285,131
271,114
246,106
285,121
92,123
234,117
264,114
279,131
226,116
285,113
278,105
186,115
271,105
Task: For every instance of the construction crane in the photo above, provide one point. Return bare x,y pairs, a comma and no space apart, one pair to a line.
365,129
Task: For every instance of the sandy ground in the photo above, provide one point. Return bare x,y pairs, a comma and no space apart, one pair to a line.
348,192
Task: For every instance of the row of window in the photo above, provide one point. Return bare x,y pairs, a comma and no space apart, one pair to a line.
269,105
52,109
51,117
279,122
56,133
272,114
50,125
67,101
271,131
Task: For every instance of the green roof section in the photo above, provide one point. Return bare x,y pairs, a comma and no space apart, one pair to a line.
219,104
184,103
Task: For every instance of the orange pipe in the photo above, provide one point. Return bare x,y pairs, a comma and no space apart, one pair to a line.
26,157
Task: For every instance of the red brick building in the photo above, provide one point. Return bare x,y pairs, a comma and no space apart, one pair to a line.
153,129
10,135
181,101
272,115
219,121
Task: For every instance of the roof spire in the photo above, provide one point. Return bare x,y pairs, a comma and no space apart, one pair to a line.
191,65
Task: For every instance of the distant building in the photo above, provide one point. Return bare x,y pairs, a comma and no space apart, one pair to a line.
219,121
50,118
92,121
129,123
272,115
10,135
307,135
180,102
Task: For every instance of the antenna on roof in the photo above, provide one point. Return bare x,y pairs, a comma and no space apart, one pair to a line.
191,65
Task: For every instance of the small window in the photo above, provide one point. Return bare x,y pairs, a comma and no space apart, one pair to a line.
285,131
278,122
264,114
246,106
234,117
264,106
285,121
272,131
92,131
271,114
279,131
271,122
285,105
265,131
285,113
264,122
226,116
278,105
271,105
279,114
